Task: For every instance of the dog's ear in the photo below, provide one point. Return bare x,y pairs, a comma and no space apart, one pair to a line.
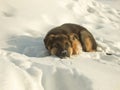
48,40
51,37
73,37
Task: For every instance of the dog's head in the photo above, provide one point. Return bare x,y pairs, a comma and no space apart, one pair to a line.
59,45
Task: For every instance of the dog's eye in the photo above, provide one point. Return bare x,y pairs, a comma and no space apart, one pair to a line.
55,45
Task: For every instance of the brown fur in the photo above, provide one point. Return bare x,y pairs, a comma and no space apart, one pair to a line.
69,39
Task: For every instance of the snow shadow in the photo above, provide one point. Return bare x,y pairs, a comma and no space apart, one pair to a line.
29,46
58,78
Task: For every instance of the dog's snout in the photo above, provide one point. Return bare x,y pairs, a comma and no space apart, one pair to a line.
64,52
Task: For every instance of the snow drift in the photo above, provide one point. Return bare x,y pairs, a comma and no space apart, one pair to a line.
25,63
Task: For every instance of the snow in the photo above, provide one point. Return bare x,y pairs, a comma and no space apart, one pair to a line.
24,60
111,3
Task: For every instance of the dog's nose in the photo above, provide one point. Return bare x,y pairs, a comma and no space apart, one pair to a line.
64,52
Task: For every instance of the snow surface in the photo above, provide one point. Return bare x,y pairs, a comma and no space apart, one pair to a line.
24,61
112,3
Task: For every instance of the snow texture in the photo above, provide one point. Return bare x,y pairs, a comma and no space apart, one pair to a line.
24,61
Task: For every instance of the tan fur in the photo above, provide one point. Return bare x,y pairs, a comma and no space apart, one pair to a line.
88,44
70,50
76,47
53,51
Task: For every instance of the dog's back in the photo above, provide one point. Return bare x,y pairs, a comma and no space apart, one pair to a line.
67,29
85,37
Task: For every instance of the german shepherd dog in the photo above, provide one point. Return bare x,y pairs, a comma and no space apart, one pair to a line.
69,39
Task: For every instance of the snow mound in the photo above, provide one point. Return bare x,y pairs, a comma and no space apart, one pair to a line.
27,75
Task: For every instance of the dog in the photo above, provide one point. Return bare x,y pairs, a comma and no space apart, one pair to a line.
69,39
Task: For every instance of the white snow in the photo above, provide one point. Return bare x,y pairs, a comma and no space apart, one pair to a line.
24,61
